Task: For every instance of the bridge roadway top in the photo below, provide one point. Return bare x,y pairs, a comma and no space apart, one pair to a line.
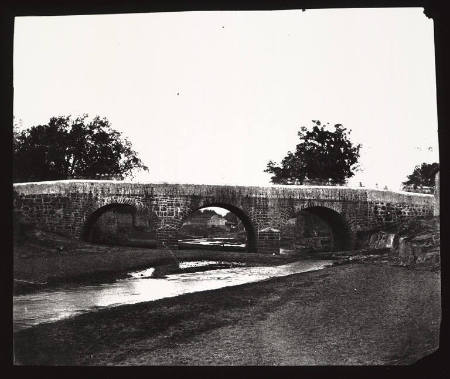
326,193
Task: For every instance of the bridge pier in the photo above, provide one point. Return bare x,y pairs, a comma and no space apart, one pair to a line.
167,237
269,241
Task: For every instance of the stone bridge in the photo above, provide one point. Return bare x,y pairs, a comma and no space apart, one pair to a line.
71,208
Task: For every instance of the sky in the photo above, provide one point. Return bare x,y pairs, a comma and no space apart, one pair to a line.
211,97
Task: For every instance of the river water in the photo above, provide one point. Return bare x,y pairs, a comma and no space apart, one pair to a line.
139,286
215,241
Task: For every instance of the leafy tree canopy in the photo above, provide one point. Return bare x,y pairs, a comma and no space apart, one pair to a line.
231,217
322,155
423,175
67,148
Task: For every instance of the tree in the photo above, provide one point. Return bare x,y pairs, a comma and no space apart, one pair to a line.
321,155
231,217
68,149
209,212
423,175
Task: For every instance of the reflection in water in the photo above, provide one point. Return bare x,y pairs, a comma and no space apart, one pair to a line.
51,305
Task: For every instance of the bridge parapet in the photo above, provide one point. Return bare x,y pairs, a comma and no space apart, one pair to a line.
337,193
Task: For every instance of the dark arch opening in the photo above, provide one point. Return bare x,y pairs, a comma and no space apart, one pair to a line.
88,233
339,228
241,215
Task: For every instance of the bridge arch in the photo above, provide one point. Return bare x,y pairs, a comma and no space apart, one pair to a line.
241,214
342,236
87,233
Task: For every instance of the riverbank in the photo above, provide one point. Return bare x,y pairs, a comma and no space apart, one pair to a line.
45,271
43,258
344,315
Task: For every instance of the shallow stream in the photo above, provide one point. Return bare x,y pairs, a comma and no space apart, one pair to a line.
139,286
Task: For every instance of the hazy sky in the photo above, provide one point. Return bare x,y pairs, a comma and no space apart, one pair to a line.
211,97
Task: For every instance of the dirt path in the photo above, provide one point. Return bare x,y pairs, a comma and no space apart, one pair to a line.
351,314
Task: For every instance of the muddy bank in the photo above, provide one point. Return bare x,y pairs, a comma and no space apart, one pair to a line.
351,314
42,258
93,266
